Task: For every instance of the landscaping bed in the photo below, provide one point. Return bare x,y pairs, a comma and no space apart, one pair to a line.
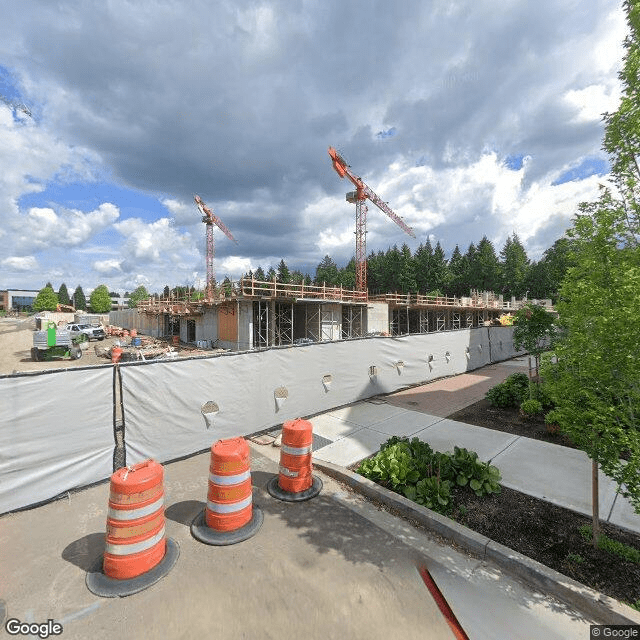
538,529
509,420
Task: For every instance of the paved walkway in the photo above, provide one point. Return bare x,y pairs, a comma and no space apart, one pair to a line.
560,475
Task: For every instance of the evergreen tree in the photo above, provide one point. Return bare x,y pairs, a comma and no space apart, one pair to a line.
347,275
48,285
166,292
297,277
259,274
79,301
488,268
423,260
100,300
46,300
514,266
440,274
392,269
327,271
471,268
374,272
63,294
284,274
457,286
271,274
406,273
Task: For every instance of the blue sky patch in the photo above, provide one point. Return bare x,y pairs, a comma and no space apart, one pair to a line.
389,133
590,166
89,196
514,161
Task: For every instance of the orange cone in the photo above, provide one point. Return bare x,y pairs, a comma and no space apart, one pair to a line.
295,481
137,553
230,515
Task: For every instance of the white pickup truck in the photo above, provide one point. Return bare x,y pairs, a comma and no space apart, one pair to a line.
92,333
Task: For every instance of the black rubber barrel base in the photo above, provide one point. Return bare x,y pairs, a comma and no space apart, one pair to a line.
277,492
201,531
106,587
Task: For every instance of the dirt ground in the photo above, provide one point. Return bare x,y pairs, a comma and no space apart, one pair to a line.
16,340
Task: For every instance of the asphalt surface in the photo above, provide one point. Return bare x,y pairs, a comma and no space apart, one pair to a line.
332,567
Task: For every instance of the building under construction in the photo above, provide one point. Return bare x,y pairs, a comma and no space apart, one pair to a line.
252,314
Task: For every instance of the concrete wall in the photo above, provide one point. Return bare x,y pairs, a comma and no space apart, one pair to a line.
207,325
377,317
144,323
245,331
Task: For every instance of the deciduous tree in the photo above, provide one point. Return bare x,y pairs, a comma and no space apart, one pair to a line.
138,294
46,300
100,300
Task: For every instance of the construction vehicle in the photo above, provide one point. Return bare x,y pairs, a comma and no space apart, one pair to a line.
51,343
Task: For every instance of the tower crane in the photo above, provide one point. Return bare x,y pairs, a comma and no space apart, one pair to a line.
362,193
209,218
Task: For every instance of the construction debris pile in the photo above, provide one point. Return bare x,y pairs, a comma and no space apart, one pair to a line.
129,347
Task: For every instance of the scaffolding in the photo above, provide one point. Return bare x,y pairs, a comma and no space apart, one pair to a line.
399,324
283,325
352,322
260,324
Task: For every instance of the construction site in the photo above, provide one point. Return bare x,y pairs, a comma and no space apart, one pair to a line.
248,359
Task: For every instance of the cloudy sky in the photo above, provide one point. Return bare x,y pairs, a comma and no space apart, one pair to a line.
468,117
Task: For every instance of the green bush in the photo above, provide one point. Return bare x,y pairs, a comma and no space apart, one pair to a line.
510,393
531,407
429,477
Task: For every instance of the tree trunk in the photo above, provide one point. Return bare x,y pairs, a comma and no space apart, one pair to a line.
595,503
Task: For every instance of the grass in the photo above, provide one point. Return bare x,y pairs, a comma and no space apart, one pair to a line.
613,547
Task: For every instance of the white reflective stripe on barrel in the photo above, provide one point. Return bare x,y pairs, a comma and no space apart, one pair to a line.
134,514
135,547
296,451
228,507
224,480
287,472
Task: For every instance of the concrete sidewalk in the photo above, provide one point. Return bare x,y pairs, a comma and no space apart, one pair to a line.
560,475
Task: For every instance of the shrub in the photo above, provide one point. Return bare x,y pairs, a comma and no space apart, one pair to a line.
510,393
531,407
429,477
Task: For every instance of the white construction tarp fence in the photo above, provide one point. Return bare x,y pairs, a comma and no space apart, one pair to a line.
253,391
57,428
56,434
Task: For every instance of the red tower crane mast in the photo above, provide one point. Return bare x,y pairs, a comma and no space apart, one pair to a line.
362,192
209,218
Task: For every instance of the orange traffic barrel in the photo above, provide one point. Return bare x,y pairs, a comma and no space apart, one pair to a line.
230,515
295,481
176,341
137,553
116,354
